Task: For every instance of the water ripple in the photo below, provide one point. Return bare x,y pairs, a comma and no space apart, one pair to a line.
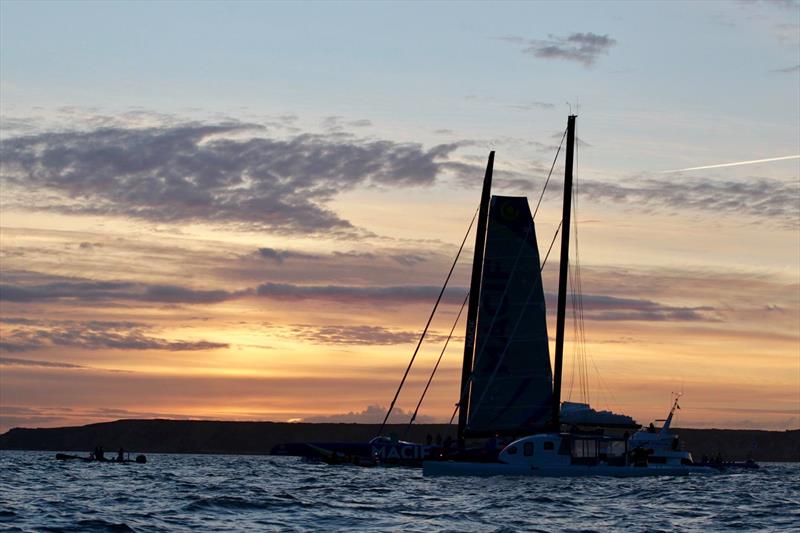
232,493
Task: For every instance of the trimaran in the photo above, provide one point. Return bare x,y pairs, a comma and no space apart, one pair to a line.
508,392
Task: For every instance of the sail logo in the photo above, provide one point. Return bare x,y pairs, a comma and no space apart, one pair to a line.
509,212
401,452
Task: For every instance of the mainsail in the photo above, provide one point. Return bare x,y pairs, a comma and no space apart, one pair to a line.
511,380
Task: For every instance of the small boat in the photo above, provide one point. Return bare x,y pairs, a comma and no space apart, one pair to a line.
662,446
140,459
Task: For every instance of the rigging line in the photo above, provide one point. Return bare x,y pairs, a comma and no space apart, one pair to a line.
575,354
578,351
586,354
436,366
548,175
577,292
549,249
427,325
551,246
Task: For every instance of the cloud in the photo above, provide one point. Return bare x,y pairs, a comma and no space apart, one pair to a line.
358,335
373,414
336,123
583,48
531,106
11,361
788,70
352,294
74,290
28,335
597,306
211,173
408,260
600,307
792,5
352,335
279,256
761,197
103,291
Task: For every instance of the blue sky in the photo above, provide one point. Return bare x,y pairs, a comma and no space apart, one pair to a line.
702,79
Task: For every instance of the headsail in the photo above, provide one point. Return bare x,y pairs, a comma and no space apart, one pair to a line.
511,386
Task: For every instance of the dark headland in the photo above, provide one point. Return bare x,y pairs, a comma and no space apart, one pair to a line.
195,436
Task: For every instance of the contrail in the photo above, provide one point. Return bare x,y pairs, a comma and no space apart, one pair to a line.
736,164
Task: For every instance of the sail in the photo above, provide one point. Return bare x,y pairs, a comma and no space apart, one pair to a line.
511,389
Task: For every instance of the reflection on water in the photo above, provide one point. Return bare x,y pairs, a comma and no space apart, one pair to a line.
224,492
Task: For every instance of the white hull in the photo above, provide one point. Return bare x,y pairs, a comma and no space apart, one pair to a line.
453,468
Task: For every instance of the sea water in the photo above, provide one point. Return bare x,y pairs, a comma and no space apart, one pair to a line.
256,493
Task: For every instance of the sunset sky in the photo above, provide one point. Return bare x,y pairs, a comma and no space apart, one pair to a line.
245,211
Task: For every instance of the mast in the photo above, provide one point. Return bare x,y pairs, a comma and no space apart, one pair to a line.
563,273
474,298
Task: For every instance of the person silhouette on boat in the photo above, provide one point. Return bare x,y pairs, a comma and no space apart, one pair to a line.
98,453
651,428
120,455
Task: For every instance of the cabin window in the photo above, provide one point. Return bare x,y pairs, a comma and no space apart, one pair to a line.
584,448
548,445
527,449
512,450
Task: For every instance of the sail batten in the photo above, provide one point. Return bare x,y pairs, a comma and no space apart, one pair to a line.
511,379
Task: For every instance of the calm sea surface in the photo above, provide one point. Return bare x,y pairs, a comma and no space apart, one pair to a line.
223,492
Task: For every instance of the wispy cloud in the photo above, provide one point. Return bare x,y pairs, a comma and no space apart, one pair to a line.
761,198
352,335
584,48
97,291
601,307
351,294
12,361
597,306
279,256
530,106
373,414
788,70
27,335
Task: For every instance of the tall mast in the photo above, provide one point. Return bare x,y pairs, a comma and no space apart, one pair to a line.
474,298
563,273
